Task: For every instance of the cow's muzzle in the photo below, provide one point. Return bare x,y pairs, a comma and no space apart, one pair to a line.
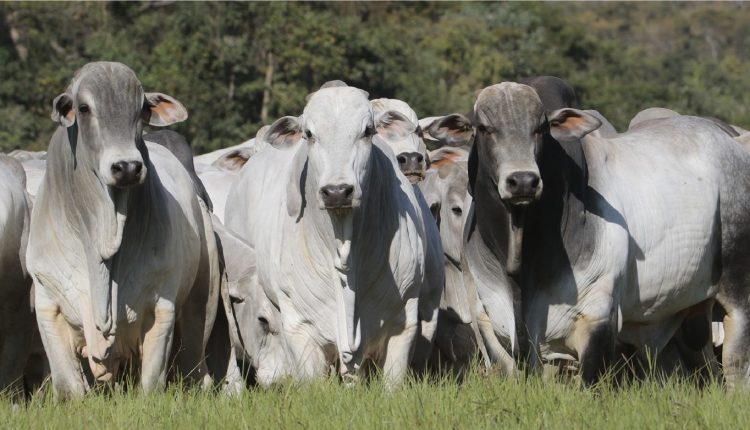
337,196
411,165
523,187
127,173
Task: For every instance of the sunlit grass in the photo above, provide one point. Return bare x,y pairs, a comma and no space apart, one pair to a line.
482,401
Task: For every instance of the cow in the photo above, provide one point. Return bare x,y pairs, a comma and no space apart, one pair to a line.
445,190
339,238
122,251
252,311
180,148
24,155
219,176
397,126
576,244
234,157
17,323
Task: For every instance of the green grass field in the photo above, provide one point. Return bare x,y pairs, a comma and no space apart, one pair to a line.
482,401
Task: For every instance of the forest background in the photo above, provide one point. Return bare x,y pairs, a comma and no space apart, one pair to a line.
237,66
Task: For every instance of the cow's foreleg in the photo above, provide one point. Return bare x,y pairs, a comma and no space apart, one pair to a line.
157,344
594,340
16,335
398,355
59,344
308,358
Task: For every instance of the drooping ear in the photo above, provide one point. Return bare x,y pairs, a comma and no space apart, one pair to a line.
62,110
284,133
452,130
233,160
572,124
161,110
295,188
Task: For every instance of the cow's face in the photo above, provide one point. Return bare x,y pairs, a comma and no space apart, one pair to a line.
334,137
338,127
510,123
106,102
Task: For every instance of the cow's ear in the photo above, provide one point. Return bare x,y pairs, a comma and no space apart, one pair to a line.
295,188
234,160
572,124
161,110
392,120
284,133
62,110
744,139
452,130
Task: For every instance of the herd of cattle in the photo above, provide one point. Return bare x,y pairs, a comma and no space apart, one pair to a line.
356,237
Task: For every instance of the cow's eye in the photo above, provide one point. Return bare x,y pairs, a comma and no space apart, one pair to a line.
484,129
83,108
308,134
457,210
369,131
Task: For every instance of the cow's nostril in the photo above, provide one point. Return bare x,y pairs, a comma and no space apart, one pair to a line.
348,191
512,183
420,158
401,159
534,182
137,167
118,167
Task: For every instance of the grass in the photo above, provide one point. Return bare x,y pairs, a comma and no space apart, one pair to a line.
482,401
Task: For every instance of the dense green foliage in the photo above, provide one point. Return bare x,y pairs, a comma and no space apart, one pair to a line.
215,57
483,401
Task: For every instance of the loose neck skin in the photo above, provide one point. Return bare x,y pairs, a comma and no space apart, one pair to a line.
501,228
340,241
94,213
524,234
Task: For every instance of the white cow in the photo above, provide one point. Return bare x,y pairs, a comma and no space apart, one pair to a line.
339,237
122,251
16,319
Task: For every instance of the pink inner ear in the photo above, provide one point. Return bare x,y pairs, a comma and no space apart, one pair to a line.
164,110
71,115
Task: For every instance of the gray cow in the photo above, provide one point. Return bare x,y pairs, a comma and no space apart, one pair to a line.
339,238
445,189
16,327
122,251
572,242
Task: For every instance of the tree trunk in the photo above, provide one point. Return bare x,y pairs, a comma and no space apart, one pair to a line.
16,36
267,88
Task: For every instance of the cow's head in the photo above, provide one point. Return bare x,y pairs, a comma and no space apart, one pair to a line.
397,125
510,124
334,137
107,104
450,166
